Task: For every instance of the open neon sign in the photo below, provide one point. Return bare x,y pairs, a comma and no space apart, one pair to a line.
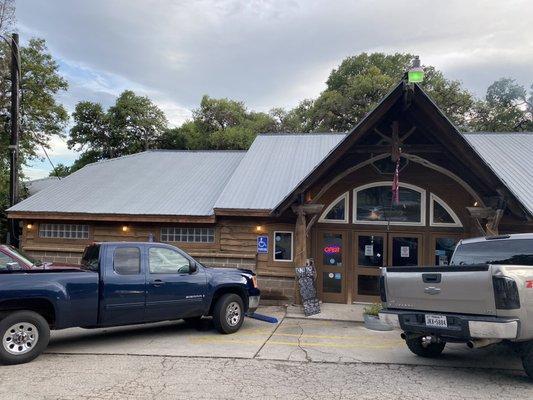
332,249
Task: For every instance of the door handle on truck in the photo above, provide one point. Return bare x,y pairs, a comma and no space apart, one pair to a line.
431,278
157,282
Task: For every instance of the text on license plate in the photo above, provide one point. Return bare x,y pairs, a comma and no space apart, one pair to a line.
436,321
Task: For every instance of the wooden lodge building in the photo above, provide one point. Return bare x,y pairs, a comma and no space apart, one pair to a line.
320,196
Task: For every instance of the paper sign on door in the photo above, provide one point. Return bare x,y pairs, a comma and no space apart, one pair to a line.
404,251
369,250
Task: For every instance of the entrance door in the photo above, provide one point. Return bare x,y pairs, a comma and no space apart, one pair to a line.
379,249
331,268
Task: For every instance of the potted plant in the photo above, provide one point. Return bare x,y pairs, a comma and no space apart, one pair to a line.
371,318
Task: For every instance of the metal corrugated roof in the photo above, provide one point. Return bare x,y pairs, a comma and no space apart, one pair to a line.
39,184
148,183
510,155
273,167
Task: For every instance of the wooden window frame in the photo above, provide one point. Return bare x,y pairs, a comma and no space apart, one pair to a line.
274,247
333,204
457,221
423,205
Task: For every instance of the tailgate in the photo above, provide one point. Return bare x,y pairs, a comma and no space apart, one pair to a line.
465,290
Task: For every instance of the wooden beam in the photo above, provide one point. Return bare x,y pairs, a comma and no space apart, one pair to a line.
406,148
110,217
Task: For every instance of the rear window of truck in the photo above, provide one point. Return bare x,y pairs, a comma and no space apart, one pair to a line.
509,252
91,257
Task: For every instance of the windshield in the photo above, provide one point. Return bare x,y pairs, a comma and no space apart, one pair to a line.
91,257
26,258
502,252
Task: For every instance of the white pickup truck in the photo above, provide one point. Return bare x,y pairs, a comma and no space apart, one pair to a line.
483,297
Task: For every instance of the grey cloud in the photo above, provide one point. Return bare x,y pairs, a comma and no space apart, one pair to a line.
271,53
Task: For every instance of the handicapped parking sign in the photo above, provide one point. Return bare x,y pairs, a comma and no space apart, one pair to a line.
262,244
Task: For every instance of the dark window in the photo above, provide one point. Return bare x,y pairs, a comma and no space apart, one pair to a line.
127,261
338,211
332,282
404,251
91,257
511,252
375,204
167,261
332,249
444,248
283,246
440,215
370,251
368,285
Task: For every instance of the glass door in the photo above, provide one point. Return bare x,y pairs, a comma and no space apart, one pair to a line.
369,256
405,250
331,268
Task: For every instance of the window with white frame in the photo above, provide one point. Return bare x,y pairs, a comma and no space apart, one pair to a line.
373,205
337,211
283,243
188,234
441,214
64,231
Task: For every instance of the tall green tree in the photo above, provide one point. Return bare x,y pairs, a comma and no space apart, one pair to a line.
361,81
42,116
507,106
134,123
220,124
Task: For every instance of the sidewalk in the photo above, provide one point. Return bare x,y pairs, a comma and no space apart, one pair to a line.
330,312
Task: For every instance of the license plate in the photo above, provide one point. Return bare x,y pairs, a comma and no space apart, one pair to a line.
436,321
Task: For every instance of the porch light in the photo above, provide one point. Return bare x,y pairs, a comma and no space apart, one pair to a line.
416,72
125,228
259,228
29,226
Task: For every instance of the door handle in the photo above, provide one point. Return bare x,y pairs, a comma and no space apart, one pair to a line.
431,278
157,282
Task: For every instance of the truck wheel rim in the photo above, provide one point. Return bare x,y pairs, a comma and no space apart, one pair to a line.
20,338
233,313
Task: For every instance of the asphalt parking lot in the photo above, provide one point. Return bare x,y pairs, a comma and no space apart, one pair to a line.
289,340
293,359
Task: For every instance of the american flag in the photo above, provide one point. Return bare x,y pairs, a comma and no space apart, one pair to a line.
396,184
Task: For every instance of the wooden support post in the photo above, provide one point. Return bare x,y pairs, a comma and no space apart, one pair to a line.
300,238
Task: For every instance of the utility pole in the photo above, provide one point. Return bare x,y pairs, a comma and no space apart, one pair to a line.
14,137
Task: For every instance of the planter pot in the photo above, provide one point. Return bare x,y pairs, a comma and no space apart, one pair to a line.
373,322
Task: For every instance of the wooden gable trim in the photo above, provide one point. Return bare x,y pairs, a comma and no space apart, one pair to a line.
352,137
26,215
239,212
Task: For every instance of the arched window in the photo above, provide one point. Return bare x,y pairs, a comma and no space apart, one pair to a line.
373,205
441,214
337,211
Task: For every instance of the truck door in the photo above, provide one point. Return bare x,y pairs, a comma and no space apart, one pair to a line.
124,285
173,290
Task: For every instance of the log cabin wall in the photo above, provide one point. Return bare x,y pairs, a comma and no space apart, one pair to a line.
235,246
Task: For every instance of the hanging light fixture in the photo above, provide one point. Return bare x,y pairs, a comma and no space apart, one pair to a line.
416,72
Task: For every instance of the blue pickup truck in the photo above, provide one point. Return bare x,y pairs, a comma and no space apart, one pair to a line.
118,284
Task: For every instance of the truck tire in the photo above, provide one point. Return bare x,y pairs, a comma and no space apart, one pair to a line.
430,351
24,335
526,353
228,314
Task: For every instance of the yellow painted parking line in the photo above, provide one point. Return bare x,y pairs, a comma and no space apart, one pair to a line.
381,345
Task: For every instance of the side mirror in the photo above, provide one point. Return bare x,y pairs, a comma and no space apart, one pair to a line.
192,267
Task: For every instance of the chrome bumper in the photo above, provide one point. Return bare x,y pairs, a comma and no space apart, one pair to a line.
465,327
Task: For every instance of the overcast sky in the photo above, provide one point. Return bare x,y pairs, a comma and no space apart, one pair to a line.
267,53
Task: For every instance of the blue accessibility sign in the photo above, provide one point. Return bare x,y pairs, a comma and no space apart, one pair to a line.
262,244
